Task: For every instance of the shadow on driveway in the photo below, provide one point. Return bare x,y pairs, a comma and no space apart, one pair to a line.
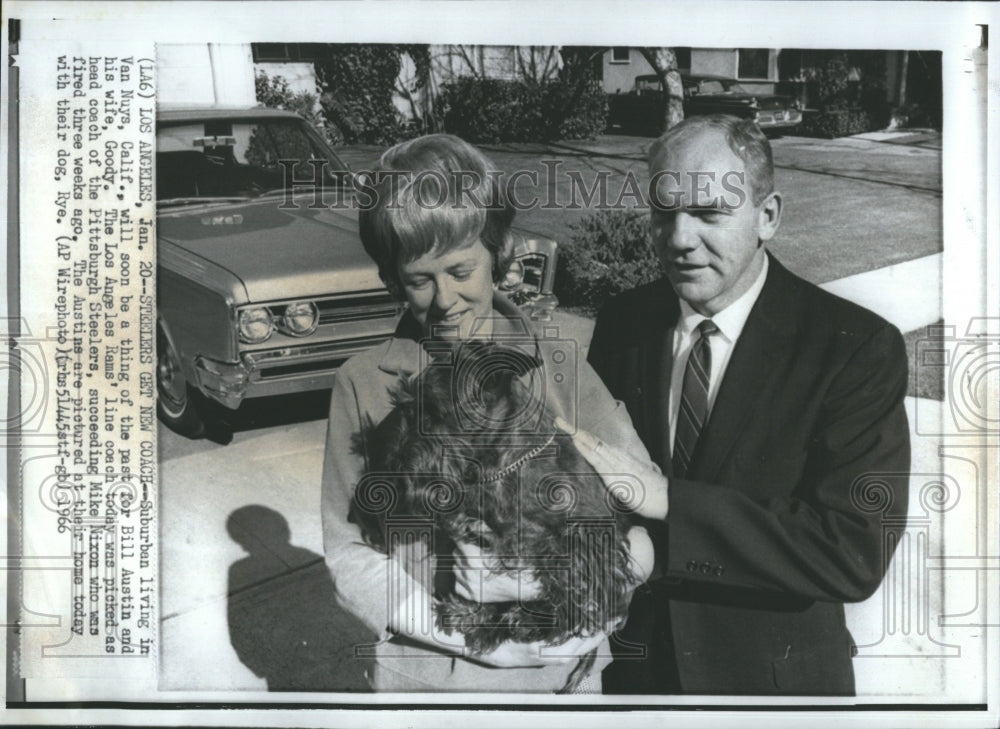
284,622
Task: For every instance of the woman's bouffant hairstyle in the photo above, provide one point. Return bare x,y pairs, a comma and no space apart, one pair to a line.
477,463
436,192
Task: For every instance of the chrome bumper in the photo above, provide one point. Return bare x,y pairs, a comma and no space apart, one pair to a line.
773,120
279,371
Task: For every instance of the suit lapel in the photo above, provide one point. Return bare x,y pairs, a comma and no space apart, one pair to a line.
654,360
657,361
766,340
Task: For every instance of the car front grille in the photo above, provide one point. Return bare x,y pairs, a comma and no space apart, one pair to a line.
357,308
342,318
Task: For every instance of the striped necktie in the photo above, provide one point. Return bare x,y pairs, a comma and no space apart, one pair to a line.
693,411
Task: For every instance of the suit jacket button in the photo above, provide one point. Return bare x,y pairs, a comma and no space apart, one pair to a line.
692,566
706,567
718,571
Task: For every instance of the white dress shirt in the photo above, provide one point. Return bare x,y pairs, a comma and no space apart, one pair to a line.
730,322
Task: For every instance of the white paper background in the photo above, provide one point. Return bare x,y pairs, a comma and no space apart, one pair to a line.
970,265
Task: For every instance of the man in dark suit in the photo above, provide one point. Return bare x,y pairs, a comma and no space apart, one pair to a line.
770,423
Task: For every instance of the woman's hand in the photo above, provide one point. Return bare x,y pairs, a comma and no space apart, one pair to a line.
476,578
650,501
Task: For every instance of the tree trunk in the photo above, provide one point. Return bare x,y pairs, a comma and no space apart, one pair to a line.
904,68
664,63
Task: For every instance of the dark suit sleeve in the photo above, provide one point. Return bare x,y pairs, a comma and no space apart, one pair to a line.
819,537
600,342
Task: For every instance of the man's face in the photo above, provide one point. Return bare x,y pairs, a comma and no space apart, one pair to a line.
708,233
450,289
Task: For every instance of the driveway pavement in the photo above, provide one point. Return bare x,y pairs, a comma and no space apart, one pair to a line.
851,205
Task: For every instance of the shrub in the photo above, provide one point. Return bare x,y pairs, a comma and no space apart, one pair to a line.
832,85
356,102
358,82
275,93
579,113
838,123
480,110
609,252
487,111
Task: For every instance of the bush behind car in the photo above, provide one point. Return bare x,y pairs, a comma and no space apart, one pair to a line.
488,111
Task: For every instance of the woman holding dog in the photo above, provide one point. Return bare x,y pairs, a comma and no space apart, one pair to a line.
439,230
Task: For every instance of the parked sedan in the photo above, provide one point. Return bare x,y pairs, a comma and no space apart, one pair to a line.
263,285
642,109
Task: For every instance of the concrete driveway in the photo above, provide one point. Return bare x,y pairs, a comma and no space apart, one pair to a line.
851,205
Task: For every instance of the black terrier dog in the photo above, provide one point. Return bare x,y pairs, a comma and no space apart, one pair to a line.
469,450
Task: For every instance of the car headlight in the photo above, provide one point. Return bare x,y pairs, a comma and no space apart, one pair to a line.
255,325
513,278
300,318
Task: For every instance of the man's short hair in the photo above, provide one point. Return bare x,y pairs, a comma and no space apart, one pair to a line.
745,139
435,192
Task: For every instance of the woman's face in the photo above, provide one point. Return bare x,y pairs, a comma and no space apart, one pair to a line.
453,289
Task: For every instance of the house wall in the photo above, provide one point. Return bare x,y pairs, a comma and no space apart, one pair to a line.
218,74
620,76
714,62
455,61
726,62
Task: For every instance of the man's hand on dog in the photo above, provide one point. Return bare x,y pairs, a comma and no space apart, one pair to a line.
651,501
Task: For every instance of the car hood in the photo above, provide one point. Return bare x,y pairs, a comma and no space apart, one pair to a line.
275,253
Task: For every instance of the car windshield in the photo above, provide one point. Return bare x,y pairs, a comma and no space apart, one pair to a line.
237,159
716,86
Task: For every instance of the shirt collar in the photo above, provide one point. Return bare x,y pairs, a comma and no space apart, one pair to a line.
510,327
730,320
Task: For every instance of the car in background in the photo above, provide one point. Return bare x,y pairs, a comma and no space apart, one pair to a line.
642,109
263,286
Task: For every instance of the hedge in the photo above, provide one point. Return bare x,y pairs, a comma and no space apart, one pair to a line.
358,82
487,111
831,124
607,253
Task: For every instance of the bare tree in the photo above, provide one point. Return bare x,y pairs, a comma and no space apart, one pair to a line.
417,86
580,60
536,64
664,63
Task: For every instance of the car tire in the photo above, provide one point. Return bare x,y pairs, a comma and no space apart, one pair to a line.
179,405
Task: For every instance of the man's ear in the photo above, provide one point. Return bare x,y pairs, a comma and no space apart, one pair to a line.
769,217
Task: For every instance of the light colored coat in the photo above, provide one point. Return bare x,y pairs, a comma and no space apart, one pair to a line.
363,575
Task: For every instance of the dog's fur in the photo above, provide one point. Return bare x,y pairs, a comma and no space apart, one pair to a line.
550,515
